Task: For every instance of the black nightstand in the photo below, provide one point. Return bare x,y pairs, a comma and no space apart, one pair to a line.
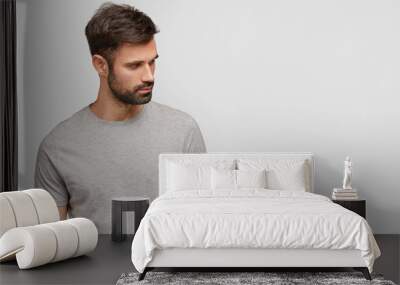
138,205
357,206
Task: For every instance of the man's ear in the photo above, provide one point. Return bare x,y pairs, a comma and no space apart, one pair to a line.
100,64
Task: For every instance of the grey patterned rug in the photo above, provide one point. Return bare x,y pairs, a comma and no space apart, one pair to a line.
229,278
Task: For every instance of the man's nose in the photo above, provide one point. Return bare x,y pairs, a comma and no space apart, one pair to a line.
148,75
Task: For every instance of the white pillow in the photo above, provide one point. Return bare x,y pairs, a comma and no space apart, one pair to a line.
223,179
183,177
282,174
237,179
184,174
251,178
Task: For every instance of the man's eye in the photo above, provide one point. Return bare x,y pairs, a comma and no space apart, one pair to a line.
134,66
152,62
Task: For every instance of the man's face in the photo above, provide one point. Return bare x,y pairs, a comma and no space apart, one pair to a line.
131,76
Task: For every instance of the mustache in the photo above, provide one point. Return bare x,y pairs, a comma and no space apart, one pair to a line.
144,85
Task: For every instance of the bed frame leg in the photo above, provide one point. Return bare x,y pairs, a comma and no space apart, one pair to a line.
143,274
364,271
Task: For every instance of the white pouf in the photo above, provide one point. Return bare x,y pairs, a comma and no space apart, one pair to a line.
26,208
23,208
45,205
7,220
40,244
30,230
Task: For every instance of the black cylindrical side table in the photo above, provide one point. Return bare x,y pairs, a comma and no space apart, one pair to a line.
139,205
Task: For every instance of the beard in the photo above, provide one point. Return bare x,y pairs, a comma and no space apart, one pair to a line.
131,97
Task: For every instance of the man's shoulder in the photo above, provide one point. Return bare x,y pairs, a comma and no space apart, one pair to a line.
170,114
63,130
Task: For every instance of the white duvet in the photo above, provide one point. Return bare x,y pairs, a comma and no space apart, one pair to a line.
250,218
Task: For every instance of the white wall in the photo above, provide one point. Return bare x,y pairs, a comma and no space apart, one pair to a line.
320,76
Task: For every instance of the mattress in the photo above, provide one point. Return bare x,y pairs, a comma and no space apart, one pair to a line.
251,219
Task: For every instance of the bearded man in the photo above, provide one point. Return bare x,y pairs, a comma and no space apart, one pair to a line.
110,147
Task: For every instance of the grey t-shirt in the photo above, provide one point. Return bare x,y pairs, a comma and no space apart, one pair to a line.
85,161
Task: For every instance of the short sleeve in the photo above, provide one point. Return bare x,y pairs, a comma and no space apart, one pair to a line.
48,178
194,141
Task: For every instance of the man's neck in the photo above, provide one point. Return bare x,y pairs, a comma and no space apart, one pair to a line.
109,108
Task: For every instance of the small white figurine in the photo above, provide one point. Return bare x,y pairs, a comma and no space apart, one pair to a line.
347,174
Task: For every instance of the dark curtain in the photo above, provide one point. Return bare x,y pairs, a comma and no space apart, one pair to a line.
8,99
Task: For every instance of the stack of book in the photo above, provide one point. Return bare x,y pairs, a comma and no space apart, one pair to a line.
344,194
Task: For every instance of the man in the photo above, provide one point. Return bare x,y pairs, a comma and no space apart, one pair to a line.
110,147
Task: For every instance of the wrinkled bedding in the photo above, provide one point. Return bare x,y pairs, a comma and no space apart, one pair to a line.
250,218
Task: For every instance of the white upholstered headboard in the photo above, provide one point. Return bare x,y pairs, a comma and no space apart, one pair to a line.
165,157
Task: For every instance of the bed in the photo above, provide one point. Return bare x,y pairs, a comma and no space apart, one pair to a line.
247,210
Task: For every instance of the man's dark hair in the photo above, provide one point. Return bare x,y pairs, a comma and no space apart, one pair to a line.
113,25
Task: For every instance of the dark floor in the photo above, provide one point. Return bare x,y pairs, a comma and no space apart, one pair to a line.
102,266
389,262
110,260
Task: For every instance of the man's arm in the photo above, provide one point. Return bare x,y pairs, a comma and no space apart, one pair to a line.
48,177
63,213
194,141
